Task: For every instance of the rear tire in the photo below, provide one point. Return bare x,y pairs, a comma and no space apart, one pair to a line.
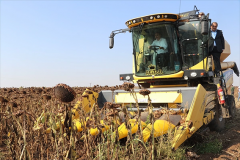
218,123
232,106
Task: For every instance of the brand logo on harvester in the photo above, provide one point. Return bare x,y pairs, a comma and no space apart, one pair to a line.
152,70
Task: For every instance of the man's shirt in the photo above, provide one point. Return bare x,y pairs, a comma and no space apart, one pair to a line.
162,43
214,36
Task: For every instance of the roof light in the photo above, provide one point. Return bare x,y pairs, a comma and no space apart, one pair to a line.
121,78
186,77
165,16
134,21
202,73
151,17
158,16
128,78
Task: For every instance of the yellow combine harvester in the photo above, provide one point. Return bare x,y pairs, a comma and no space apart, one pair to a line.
180,75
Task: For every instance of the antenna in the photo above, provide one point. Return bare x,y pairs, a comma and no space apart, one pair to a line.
179,7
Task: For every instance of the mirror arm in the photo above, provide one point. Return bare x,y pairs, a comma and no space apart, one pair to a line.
113,33
119,31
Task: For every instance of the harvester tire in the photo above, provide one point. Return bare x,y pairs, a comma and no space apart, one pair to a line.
218,123
232,106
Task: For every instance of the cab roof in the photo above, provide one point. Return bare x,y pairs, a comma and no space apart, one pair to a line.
168,17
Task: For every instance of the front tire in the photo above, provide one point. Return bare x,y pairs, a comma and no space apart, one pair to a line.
218,123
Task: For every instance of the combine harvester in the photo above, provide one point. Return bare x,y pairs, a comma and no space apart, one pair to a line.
179,83
182,76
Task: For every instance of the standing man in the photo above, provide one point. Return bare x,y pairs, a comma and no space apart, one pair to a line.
217,48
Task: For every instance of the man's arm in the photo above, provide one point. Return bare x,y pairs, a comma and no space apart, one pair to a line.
153,43
222,40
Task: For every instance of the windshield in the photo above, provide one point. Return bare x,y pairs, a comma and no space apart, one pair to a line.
156,50
192,39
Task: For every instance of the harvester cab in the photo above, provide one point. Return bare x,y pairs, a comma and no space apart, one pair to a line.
171,50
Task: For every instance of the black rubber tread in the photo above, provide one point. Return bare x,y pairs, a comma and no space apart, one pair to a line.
218,123
232,106
210,87
210,97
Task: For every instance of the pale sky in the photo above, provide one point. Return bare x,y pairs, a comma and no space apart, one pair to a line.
43,43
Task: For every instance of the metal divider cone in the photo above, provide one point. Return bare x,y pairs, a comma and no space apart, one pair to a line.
122,129
161,127
95,131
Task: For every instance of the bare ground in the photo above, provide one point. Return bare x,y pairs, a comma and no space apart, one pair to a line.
230,139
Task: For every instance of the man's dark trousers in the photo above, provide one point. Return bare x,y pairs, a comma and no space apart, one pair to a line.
216,51
216,57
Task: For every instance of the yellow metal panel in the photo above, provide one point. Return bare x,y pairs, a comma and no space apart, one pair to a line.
195,116
86,103
172,105
180,135
133,66
156,97
141,44
208,117
199,65
139,55
178,99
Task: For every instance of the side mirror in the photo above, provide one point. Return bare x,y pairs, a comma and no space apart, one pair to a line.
111,43
111,40
204,25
